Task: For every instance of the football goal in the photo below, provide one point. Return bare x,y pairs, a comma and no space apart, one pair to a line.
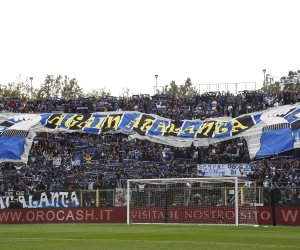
191,200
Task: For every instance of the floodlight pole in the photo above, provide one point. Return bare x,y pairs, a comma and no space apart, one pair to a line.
264,76
156,85
31,78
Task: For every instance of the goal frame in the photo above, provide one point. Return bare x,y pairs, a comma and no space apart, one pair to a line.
232,179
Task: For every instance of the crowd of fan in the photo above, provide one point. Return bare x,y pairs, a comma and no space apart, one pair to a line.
107,160
211,104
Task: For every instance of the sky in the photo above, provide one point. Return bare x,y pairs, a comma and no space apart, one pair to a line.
121,44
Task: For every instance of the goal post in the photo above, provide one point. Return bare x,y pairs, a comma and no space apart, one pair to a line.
189,201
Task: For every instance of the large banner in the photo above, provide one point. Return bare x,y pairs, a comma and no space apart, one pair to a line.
221,170
268,132
212,214
288,81
63,215
263,215
40,199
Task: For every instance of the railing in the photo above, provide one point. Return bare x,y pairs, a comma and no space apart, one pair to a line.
283,196
256,196
97,198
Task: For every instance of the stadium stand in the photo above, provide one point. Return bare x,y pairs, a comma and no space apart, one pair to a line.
83,161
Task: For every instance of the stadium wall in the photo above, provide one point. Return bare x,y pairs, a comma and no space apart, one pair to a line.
284,215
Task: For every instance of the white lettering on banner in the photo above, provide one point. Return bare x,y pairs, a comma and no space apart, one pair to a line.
13,216
147,214
74,198
174,215
1,203
285,215
265,215
219,170
33,204
40,215
23,201
7,201
63,196
58,215
54,197
108,213
195,214
70,215
50,215
61,215
80,215
43,201
288,215
30,216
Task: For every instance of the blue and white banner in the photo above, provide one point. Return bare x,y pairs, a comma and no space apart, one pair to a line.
269,132
221,170
41,199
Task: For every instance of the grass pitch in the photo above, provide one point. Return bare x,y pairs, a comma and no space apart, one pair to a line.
122,237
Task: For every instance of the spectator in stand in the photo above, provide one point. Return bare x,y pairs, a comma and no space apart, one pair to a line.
100,152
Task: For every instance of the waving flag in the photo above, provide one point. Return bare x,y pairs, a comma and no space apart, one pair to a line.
12,144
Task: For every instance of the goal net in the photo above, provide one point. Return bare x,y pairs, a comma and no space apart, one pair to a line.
191,200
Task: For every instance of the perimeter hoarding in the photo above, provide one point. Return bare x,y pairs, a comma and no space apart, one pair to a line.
284,215
69,215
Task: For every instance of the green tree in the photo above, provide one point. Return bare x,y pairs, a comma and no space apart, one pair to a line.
70,88
276,87
292,75
172,89
125,93
5,91
185,90
271,86
47,87
20,90
57,85
98,92
265,86
39,94
52,87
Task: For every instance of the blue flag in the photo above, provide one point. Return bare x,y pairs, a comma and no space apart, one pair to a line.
12,144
